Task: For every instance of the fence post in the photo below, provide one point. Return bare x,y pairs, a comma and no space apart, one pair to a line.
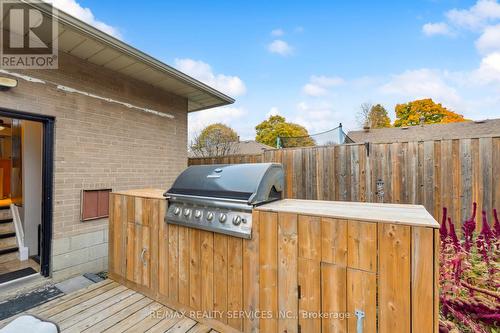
341,136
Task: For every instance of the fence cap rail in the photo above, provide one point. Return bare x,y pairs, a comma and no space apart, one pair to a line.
413,215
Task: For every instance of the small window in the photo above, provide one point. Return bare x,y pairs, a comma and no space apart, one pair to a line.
95,204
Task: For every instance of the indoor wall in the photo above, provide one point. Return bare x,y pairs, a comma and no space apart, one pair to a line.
32,182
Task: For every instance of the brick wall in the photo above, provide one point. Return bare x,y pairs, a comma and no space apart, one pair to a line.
100,145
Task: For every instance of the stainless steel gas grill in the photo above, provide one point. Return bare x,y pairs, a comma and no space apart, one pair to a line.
220,198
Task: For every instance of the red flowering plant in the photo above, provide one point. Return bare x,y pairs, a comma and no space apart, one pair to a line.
470,276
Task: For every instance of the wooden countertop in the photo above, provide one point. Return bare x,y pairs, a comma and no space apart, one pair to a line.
152,193
414,215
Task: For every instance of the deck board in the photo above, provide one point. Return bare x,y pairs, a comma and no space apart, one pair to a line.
182,326
164,325
110,307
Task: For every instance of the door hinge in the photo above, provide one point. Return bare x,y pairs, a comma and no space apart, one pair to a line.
299,291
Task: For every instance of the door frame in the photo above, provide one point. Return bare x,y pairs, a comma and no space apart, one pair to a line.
48,123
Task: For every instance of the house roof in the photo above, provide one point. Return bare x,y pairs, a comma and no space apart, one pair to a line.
90,44
247,147
469,129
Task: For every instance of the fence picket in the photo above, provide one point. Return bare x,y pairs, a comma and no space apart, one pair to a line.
437,174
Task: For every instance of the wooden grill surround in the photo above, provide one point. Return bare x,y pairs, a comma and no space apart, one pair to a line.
305,258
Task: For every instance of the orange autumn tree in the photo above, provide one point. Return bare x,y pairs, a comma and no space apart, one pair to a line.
409,114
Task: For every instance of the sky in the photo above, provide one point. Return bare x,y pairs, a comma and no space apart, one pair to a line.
316,62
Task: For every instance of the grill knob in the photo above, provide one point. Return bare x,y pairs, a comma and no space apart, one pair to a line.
210,216
187,211
222,218
177,211
197,214
237,220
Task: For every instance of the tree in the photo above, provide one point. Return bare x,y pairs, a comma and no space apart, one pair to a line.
215,140
378,117
363,114
373,116
411,114
269,130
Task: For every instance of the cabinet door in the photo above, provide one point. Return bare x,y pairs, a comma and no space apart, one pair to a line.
139,254
333,298
309,279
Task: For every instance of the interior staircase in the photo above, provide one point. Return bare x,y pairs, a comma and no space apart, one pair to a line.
8,243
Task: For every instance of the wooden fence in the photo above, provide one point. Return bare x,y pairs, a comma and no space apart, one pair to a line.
436,174
234,159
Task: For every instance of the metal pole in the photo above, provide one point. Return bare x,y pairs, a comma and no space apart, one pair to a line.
341,136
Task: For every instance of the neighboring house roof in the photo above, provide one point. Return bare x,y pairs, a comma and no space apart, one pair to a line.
247,147
469,129
90,44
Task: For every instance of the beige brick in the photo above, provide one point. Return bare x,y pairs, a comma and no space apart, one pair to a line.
69,259
98,251
60,245
100,145
94,266
86,240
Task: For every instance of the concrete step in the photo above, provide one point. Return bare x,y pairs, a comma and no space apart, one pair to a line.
8,242
7,227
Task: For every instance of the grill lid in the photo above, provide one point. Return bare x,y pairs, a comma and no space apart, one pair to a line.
256,183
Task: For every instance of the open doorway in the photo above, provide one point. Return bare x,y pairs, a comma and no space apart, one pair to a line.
26,143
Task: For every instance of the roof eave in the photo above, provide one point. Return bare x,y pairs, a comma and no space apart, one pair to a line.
201,108
120,46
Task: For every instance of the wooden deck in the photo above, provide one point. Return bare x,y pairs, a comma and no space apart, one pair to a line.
110,307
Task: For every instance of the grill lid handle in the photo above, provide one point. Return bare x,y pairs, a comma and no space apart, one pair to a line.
270,187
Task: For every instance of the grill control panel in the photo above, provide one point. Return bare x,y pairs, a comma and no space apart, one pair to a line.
231,222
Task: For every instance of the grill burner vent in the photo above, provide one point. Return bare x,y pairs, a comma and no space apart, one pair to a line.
220,198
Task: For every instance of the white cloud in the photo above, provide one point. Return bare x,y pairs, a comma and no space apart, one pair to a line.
482,18
277,32
280,47
273,111
422,83
316,118
314,90
227,115
441,28
492,61
85,14
490,39
489,70
477,16
327,81
318,85
231,85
